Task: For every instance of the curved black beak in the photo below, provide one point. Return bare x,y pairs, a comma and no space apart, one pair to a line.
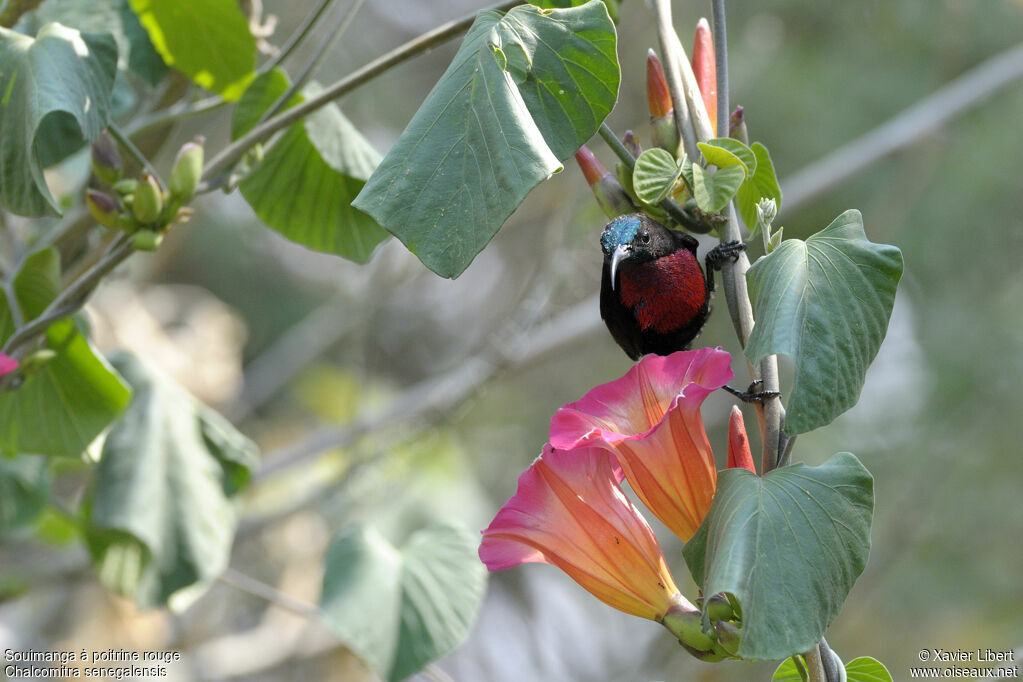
621,252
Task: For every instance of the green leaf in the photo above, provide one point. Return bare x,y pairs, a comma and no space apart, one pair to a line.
762,184
61,408
788,546
399,610
713,191
655,174
161,511
306,182
61,78
825,303
143,59
787,672
525,90
24,490
867,669
724,152
207,41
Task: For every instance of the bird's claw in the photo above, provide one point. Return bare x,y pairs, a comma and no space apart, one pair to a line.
752,396
727,251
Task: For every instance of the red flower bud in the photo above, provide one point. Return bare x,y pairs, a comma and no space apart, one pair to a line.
739,455
658,96
737,126
609,192
704,68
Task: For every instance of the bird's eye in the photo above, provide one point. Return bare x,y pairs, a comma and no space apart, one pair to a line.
645,237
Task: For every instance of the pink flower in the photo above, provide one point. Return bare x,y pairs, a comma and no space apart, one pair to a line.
7,364
650,419
569,511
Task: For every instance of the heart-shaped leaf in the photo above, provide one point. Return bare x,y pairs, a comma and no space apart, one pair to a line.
713,191
724,152
63,79
761,184
304,186
825,303
208,41
80,391
399,610
655,174
161,514
788,546
524,91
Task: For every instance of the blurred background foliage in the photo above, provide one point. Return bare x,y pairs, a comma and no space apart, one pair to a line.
305,352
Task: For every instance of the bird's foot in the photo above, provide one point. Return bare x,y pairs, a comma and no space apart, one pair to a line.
716,257
727,251
752,396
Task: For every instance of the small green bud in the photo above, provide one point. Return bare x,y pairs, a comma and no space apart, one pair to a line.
718,608
737,126
102,207
36,360
106,160
187,171
729,636
148,201
126,186
775,240
146,240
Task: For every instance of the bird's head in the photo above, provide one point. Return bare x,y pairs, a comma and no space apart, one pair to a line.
633,239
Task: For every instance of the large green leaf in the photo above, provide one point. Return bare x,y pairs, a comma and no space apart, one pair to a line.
61,78
825,303
525,90
399,610
208,41
61,408
305,184
24,490
161,513
788,546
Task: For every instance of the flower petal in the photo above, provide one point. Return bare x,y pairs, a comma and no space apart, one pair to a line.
569,511
7,364
650,419
633,405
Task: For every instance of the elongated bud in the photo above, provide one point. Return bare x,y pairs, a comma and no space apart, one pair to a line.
106,159
739,455
187,171
102,207
663,131
609,192
632,144
148,201
737,126
705,71
146,240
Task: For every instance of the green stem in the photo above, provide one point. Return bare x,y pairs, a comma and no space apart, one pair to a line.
814,665
72,298
681,215
770,413
683,114
214,173
333,34
125,141
14,9
174,114
296,38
